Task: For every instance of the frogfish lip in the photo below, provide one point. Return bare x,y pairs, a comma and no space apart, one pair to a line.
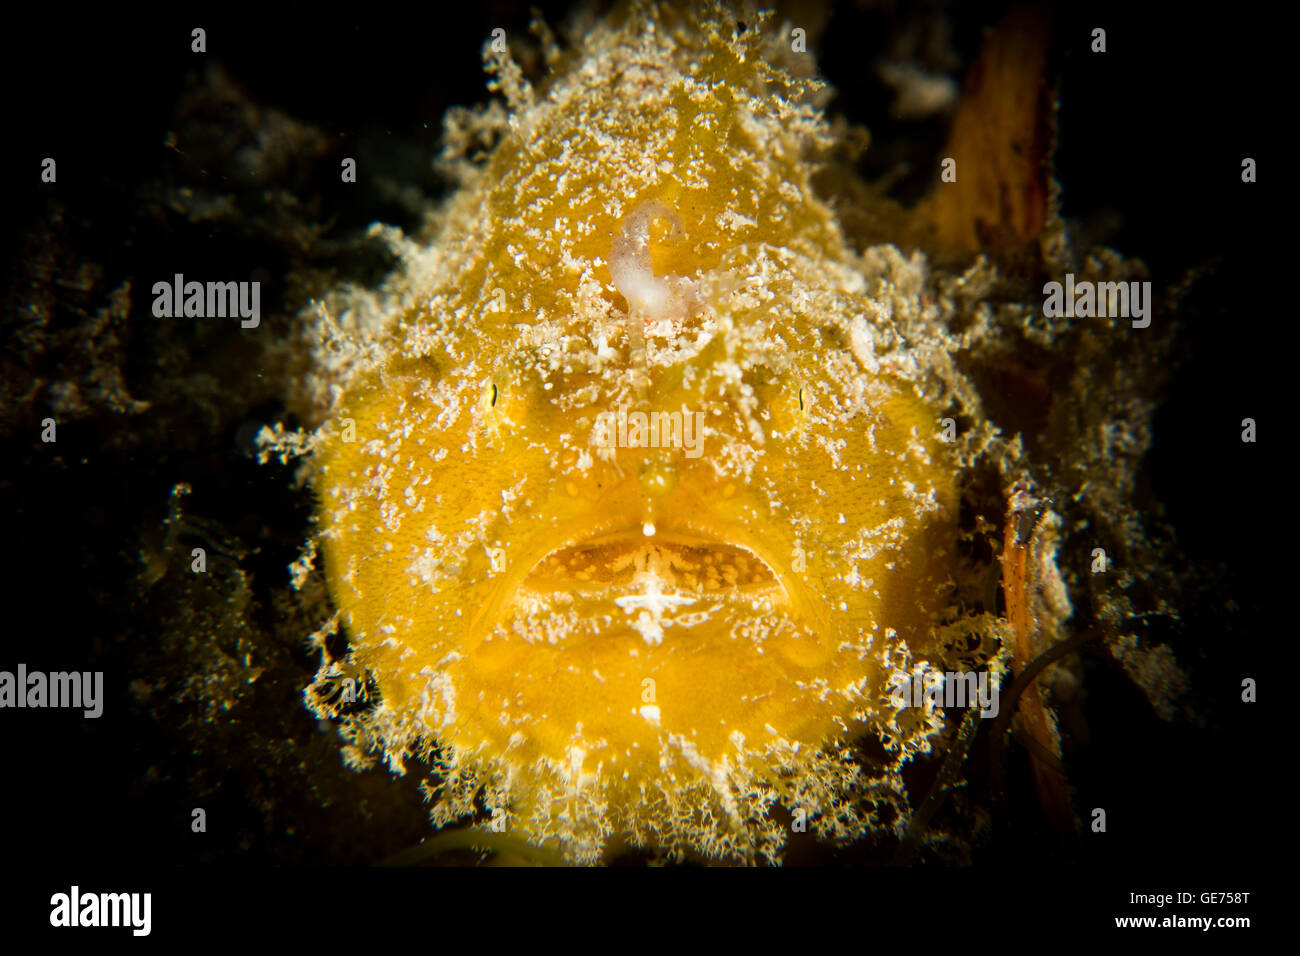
686,561
633,588
690,573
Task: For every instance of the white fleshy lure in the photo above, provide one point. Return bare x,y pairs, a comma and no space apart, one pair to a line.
649,297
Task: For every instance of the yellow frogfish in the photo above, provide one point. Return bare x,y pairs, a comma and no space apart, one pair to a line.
631,505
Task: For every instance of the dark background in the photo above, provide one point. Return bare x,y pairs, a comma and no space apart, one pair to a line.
1152,134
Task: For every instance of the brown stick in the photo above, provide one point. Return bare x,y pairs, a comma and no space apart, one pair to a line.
1053,794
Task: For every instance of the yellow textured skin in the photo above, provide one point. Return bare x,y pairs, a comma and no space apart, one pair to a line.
631,641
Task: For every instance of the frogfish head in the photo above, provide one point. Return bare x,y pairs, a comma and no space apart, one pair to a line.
632,524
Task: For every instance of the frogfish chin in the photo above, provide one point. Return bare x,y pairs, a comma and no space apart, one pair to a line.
635,506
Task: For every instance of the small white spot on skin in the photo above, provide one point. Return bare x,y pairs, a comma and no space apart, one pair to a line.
861,344
648,530
651,606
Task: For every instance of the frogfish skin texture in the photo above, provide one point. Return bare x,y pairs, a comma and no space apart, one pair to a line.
635,508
